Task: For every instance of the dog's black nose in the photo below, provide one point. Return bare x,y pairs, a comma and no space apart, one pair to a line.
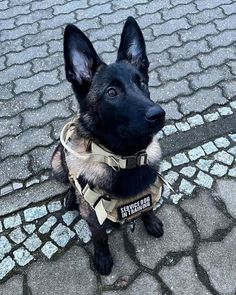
154,114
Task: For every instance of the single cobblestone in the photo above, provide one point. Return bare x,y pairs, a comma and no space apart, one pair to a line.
62,235
22,256
17,236
5,246
219,170
33,243
204,180
29,228
209,148
188,171
224,157
82,230
6,266
212,116
35,213
54,206
186,187
49,249
47,225
179,159
195,120
196,153
221,142
204,164
12,221
225,111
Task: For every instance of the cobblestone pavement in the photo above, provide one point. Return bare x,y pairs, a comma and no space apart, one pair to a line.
192,51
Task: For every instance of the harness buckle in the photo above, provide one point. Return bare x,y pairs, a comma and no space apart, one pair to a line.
113,163
131,162
142,158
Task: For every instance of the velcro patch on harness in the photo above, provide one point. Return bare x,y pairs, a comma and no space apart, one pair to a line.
132,208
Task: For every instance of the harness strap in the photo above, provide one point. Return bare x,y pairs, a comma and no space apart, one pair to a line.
101,154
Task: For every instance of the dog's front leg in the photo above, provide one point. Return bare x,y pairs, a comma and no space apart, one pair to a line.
103,261
152,224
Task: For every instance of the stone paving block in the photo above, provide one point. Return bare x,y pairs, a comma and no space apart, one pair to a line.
87,24
49,249
201,208
29,228
201,5
223,39
68,7
55,46
157,60
5,246
62,235
212,117
44,4
19,103
163,42
226,23
17,2
33,243
82,230
172,110
169,129
57,127
177,236
118,16
209,148
224,157
188,171
229,8
204,164
26,141
226,190
145,284
225,111
179,11
7,23
152,7
19,32
26,55
149,19
11,45
57,92
13,11
6,265
217,57
195,120
179,159
46,114
60,20
105,32
70,216
170,27
107,45
6,94
35,82
22,256
13,72
33,16
205,16
10,127
182,278
188,50
179,70
221,142
204,180
196,153
13,286
198,32
171,90
43,37
3,5
51,278
17,236
210,77
91,12
46,226
186,187
219,170
54,206
229,88
12,221
14,168
219,262
35,213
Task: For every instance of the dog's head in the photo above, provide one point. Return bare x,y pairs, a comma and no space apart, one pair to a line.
115,105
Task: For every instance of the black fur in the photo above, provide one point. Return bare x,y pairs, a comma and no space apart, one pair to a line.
115,110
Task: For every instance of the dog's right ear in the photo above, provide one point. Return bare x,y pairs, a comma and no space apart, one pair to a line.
81,59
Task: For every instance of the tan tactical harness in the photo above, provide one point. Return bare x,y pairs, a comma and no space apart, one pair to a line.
105,205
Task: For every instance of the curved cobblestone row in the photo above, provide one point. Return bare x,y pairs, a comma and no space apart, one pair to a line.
192,53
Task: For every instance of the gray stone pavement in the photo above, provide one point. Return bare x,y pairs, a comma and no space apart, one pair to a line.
192,50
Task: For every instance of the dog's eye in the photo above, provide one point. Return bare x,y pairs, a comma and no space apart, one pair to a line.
111,92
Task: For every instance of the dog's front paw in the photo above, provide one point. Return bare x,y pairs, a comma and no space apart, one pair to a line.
153,224
103,262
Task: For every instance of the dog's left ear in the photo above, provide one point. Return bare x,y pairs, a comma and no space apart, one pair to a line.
132,46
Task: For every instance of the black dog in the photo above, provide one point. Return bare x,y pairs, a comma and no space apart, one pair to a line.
115,112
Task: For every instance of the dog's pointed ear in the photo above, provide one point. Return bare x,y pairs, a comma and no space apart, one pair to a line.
81,59
132,46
